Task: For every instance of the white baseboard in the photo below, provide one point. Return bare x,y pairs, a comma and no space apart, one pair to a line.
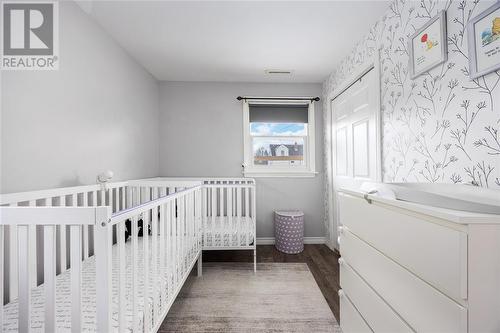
307,240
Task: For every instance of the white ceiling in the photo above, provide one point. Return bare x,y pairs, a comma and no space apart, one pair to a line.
237,40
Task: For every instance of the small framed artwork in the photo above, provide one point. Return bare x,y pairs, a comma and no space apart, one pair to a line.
428,46
483,35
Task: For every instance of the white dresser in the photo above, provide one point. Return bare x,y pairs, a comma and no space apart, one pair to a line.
406,267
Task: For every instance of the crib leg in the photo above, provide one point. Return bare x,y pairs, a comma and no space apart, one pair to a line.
255,260
200,264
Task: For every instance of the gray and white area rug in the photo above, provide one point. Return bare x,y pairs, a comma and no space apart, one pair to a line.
229,297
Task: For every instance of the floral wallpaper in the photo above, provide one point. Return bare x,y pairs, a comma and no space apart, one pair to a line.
442,126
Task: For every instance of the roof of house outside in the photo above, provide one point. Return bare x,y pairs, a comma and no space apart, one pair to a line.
293,150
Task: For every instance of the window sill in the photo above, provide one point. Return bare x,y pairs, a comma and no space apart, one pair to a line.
280,173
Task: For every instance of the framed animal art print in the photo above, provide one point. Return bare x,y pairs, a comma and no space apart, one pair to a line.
483,37
427,46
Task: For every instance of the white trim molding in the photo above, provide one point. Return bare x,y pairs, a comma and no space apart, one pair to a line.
309,170
372,63
307,240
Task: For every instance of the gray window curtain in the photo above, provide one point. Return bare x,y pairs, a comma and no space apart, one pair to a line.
271,113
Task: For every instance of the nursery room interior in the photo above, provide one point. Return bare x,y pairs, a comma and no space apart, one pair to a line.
250,166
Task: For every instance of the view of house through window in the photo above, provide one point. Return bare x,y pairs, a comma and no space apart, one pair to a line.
279,138
278,144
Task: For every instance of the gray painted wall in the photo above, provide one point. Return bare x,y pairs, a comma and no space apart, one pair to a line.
98,111
201,135
61,128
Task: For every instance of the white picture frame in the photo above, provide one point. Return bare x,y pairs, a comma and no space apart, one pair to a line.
428,46
483,38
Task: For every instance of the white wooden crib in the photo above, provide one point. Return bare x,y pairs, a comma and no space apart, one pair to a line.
69,267
228,211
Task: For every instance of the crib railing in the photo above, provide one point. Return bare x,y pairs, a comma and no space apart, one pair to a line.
228,201
48,218
228,207
79,196
113,195
174,222
175,209
118,195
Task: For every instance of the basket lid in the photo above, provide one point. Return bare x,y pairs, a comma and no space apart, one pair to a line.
289,213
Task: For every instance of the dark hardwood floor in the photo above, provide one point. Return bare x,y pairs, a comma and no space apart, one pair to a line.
322,262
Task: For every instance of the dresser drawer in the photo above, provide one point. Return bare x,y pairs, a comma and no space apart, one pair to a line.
423,307
350,319
374,310
434,252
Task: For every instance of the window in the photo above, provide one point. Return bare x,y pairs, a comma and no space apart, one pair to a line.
278,138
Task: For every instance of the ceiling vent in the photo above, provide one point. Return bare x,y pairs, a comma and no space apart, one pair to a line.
278,72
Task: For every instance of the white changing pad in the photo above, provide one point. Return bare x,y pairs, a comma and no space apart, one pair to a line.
228,233
63,299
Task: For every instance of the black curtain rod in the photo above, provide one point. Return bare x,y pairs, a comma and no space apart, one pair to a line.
316,99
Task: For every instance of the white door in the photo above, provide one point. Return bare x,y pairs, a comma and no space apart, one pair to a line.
355,136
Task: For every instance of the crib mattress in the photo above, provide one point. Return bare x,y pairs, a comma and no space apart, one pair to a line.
63,298
220,231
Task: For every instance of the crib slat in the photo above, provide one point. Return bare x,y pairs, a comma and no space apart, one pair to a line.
247,215
86,228
230,216
199,221
187,235
191,225
213,198
162,287
170,244
184,235
62,240
154,256
221,216
32,251
103,262
180,232
254,220
49,276
204,209
194,222
145,258
24,298
176,243
121,276
135,319
238,212
13,263
147,198
76,278
2,272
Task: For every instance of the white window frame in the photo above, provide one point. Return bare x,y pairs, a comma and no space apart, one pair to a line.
251,170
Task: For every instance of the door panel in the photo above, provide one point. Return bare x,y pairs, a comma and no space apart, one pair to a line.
361,158
341,151
355,136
